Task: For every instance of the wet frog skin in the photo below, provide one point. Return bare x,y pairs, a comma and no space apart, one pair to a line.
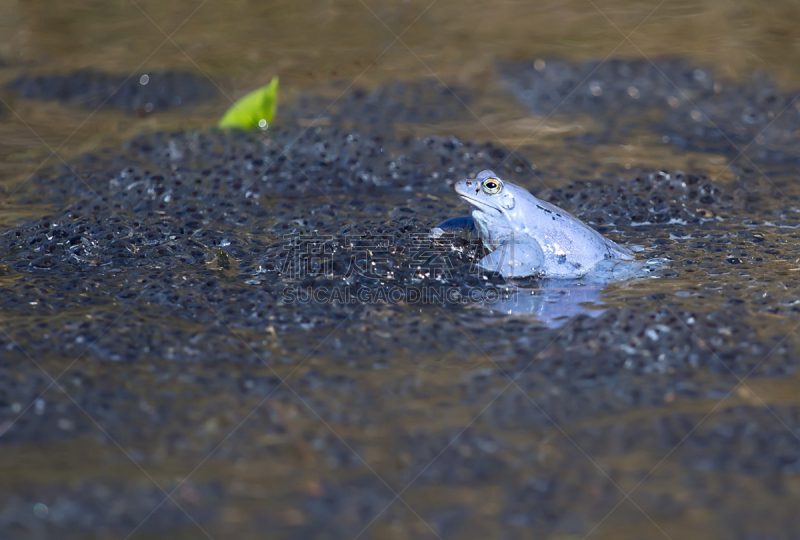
527,236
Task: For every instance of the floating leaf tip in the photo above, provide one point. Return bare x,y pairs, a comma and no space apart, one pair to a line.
256,109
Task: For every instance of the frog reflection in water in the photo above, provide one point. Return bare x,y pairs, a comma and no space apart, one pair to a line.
529,237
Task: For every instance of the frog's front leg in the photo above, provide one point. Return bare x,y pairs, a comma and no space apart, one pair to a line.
461,227
514,259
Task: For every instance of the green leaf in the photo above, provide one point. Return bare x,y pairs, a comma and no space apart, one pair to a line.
257,106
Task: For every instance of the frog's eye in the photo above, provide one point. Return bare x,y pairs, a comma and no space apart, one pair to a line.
492,186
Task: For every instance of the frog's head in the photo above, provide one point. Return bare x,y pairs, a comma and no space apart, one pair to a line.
488,193
494,202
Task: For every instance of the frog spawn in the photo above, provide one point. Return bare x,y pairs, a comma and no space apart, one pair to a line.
649,346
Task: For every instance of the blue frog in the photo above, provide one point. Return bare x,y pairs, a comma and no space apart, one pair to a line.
529,237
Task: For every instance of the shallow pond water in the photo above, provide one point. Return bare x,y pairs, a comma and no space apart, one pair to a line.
252,335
